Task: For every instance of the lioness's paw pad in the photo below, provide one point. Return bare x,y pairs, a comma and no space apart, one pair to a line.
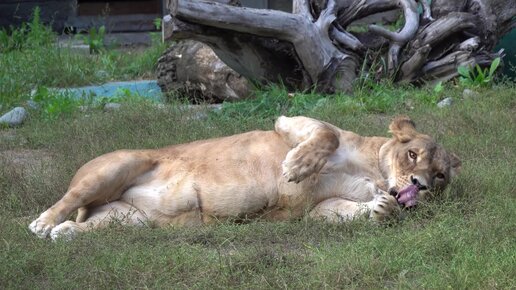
384,207
41,227
295,173
299,164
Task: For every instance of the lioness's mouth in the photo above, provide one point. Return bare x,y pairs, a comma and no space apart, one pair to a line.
408,195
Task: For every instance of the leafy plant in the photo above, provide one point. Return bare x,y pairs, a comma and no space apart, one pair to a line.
27,35
476,76
39,34
157,23
438,87
13,38
122,95
95,39
53,104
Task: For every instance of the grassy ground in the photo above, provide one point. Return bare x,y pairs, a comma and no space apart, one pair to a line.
463,240
31,58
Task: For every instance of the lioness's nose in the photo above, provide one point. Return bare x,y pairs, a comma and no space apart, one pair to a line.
416,182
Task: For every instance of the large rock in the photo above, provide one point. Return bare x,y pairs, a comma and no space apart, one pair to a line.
15,117
190,69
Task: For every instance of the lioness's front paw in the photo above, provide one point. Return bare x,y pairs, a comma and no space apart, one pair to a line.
301,163
383,207
41,227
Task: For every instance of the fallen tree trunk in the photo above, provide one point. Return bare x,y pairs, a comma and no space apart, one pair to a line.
326,45
191,70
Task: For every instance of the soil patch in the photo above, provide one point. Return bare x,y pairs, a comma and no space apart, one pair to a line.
25,159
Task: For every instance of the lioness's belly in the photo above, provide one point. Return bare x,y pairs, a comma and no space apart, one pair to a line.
200,181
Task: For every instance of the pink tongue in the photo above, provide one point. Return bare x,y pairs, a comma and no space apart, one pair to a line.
408,195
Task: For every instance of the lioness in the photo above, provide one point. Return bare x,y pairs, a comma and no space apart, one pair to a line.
303,166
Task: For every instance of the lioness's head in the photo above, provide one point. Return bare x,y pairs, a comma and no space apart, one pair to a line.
416,166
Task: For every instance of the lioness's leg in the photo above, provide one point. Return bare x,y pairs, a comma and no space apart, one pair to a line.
336,210
101,216
312,141
98,182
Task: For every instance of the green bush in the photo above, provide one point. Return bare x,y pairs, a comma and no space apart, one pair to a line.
28,35
94,39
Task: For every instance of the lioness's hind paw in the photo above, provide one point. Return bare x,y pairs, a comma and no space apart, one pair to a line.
41,228
65,231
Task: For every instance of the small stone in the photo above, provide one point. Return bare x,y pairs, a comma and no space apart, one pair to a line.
200,112
112,107
467,94
215,107
198,116
160,106
15,117
321,103
101,74
33,105
409,104
446,102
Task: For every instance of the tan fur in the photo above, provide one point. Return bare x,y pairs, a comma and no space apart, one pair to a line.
303,166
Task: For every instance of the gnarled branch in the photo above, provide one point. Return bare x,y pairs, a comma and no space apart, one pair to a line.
346,39
427,11
302,7
445,26
399,39
409,29
410,68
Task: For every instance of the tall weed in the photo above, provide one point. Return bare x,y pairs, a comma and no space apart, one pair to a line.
28,35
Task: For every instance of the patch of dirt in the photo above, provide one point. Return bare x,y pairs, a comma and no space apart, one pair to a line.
20,158
25,158
9,137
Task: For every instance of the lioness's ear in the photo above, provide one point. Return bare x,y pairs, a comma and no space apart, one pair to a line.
455,165
403,128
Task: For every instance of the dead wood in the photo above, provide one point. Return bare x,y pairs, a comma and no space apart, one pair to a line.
323,43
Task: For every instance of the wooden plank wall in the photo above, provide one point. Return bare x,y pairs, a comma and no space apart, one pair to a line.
121,15
55,12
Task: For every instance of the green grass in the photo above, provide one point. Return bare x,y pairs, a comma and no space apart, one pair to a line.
30,58
465,239
22,71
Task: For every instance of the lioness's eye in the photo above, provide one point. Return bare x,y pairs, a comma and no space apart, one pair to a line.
439,175
412,155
